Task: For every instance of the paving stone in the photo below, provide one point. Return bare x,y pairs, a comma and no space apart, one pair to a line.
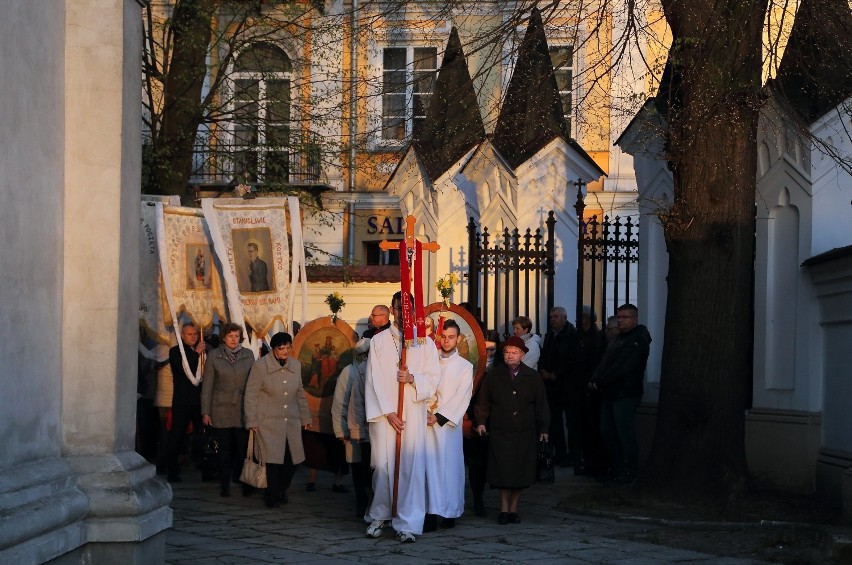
319,528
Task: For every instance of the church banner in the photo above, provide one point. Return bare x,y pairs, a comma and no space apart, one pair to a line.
153,312
251,240
190,270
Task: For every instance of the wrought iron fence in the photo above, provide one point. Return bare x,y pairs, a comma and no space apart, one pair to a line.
218,162
511,274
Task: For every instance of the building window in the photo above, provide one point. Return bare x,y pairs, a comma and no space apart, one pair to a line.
562,59
408,79
261,114
375,256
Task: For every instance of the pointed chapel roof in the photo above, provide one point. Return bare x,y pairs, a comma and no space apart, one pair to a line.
531,115
815,73
453,123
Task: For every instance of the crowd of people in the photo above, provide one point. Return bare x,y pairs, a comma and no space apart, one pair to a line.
577,389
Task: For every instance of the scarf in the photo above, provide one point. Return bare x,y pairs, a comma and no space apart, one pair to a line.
231,354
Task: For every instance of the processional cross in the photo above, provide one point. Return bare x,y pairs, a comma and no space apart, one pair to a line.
409,252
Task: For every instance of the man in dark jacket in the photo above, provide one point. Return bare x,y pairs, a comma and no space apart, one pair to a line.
186,401
557,366
619,379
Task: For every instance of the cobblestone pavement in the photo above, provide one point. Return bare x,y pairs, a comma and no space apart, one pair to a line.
320,527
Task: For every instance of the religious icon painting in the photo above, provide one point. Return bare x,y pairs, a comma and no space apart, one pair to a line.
323,348
199,265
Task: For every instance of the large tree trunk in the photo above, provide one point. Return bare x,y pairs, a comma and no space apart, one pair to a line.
699,447
171,158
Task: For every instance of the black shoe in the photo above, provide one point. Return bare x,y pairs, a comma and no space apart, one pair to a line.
514,518
430,524
339,488
448,523
283,498
271,502
248,490
503,518
175,478
225,491
311,487
479,511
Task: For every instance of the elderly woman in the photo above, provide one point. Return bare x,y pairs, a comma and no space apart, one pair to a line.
222,391
513,402
276,410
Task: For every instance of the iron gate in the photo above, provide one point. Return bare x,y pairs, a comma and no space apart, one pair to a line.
511,274
609,256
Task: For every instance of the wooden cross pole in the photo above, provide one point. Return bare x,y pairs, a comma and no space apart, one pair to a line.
410,243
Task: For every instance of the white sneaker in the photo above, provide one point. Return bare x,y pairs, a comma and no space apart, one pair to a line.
405,537
375,528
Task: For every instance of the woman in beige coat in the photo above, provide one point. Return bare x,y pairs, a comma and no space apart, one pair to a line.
277,410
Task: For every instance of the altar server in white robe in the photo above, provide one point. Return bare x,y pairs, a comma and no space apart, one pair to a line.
444,454
420,378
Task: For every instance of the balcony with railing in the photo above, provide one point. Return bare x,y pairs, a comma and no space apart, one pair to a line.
219,163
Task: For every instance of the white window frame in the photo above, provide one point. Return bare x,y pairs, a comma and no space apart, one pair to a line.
377,130
384,36
569,116
261,148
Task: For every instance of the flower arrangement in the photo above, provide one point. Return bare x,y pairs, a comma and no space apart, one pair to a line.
445,286
335,304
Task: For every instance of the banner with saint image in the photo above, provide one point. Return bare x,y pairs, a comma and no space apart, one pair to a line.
191,271
251,240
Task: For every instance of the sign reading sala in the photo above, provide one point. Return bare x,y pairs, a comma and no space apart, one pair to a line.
385,225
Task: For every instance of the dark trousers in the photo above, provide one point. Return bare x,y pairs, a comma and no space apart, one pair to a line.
595,456
557,435
279,476
147,429
181,417
476,457
163,438
233,443
618,427
362,480
575,409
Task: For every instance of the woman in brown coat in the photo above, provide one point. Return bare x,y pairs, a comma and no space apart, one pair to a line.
513,402
222,393
277,410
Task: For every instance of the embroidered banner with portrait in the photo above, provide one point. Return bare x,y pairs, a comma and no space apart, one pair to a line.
251,240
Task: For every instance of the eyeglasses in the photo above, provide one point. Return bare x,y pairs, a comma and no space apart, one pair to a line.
284,347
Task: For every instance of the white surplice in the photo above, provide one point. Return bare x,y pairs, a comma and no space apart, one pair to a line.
381,392
444,454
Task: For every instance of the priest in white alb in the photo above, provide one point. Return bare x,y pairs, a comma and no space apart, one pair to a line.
419,378
444,454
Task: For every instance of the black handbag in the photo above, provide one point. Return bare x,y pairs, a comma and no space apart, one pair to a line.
209,463
210,445
544,463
